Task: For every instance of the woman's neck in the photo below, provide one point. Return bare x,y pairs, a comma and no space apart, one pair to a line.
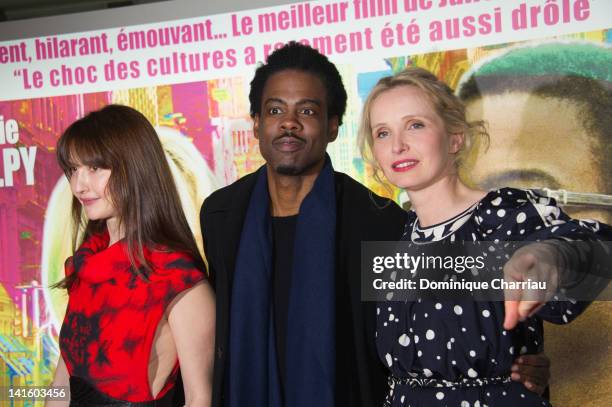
443,200
116,231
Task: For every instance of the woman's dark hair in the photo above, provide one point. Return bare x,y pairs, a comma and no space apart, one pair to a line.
140,186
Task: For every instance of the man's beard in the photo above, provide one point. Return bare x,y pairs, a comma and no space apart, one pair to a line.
289,170
294,170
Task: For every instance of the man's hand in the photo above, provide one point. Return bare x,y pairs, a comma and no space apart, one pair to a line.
536,262
533,371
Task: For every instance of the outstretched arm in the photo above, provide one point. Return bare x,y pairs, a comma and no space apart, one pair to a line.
576,267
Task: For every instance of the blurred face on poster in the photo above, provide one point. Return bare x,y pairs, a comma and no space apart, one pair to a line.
549,112
538,142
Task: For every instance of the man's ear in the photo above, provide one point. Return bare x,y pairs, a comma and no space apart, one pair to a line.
457,140
255,126
333,128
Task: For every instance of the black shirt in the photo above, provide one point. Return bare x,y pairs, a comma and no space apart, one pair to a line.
283,237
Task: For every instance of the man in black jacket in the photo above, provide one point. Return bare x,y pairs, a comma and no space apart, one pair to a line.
283,249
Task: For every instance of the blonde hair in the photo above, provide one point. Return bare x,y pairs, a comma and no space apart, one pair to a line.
448,106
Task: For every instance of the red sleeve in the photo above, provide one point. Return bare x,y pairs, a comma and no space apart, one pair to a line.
174,272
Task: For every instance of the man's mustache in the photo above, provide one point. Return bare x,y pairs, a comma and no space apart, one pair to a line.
289,134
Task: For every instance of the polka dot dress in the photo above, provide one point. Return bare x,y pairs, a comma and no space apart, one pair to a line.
456,353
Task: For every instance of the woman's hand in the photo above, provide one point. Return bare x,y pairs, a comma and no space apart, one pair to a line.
537,262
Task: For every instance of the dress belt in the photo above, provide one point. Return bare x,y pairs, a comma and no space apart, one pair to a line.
415,382
83,394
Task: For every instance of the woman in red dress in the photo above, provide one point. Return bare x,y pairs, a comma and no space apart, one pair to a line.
139,302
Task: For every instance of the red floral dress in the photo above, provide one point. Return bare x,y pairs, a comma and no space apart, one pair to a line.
113,314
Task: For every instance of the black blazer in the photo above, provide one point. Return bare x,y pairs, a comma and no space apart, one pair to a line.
361,379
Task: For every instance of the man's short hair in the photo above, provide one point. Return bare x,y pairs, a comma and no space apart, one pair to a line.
538,68
302,58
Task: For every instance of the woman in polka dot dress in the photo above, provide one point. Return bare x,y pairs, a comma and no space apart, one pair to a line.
453,353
